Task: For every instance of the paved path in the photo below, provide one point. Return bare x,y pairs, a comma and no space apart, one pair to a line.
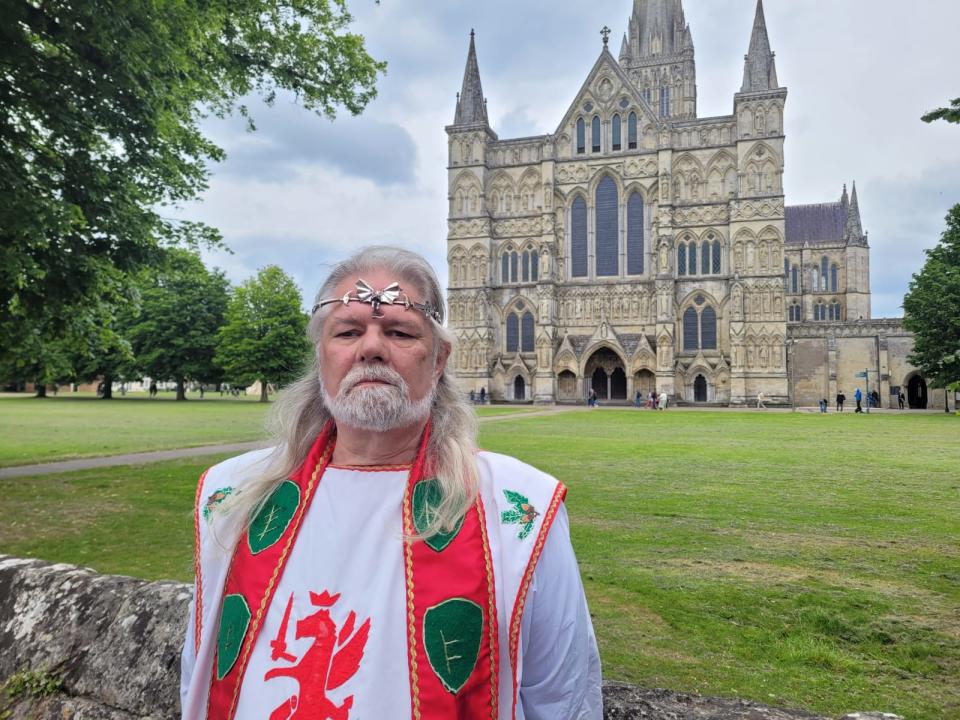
141,458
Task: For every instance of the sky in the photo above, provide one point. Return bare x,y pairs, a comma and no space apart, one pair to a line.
302,191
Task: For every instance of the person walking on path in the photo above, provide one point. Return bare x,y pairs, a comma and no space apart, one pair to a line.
858,397
592,398
760,401
901,398
153,388
840,400
662,404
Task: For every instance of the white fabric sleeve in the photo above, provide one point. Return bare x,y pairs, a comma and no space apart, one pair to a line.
560,662
188,658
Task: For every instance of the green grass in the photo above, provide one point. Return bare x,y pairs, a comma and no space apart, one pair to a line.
498,410
794,559
60,428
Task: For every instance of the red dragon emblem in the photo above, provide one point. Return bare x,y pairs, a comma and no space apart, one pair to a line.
328,663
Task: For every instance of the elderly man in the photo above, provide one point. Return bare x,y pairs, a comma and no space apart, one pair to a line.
374,564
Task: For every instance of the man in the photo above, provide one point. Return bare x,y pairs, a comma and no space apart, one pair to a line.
858,397
901,398
760,400
375,564
841,398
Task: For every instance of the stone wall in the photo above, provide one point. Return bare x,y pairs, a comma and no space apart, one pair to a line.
115,644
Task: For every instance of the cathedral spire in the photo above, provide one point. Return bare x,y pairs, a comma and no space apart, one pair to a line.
844,198
854,229
471,106
759,70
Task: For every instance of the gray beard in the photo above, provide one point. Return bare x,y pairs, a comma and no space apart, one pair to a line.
376,407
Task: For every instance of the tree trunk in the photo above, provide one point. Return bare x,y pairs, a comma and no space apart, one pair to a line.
41,389
181,389
107,387
263,391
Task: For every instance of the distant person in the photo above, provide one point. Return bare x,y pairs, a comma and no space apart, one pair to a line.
652,400
662,404
201,392
483,395
636,400
840,400
473,397
901,399
760,400
823,405
153,388
592,398
875,397
858,397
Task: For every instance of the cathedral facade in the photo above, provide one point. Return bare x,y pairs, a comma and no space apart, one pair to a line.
642,248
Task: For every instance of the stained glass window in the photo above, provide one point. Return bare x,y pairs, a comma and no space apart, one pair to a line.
716,257
581,136
635,234
513,332
708,329
578,238
616,132
526,266
632,131
682,259
705,259
534,266
513,267
692,258
834,277
595,134
690,335
505,268
527,332
606,219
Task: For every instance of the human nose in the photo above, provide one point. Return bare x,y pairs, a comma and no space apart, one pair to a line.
373,345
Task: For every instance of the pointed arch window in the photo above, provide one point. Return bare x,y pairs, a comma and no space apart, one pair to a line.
794,279
581,137
796,313
692,258
534,266
690,330
682,259
595,134
705,258
616,133
834,278
635,234
816,279
513,266
526,332
505,268
578,238
525,263
716,257
824,272
819,311
708,328
632,131
513,333
835,311
606,227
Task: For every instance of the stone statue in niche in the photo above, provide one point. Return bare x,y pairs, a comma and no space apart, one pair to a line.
764,355
663,258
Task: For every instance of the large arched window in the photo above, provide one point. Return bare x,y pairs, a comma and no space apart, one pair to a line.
595,134
819,311
708,329
632,131
824,272
635,234
834,278
682,259
616,133
526,332
513,333
835,311
578,238
606,227
691,339
581,137
795,313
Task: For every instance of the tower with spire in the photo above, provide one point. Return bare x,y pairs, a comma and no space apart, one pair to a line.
657,53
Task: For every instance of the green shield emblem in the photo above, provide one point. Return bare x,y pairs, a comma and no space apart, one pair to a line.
451,634
274,517
234,621
426,498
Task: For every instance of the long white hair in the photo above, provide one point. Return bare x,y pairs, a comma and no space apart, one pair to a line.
299,413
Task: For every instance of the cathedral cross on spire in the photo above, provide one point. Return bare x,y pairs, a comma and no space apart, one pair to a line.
606,34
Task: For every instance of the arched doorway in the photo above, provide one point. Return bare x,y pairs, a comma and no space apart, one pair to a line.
917,393
519,388
607,375
700,389
567,385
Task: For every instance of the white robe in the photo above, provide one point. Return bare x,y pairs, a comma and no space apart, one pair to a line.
350,542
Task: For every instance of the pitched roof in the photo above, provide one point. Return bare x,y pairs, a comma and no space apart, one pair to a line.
823,222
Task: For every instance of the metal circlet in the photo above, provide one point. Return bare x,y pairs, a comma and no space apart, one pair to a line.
391,295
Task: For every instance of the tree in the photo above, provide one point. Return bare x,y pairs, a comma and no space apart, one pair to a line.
264,336
182,306
932,307
100,106
950,114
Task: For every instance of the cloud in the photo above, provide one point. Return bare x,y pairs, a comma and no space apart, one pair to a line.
289,138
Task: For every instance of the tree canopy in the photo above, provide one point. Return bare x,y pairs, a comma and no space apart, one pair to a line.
181,309
950,114
264,335
100,111
932,306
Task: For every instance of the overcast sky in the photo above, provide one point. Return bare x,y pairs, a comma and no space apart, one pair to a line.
302,192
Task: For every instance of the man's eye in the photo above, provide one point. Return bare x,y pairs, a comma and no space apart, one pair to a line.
347,333
401,334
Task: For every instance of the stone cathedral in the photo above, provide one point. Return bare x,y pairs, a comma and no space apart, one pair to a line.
640,247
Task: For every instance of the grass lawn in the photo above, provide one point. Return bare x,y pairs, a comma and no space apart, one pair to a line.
794,559
497,410
60,428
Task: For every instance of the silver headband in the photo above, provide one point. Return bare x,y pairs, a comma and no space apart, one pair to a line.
391,295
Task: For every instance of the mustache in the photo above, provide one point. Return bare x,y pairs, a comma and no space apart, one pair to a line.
375,373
